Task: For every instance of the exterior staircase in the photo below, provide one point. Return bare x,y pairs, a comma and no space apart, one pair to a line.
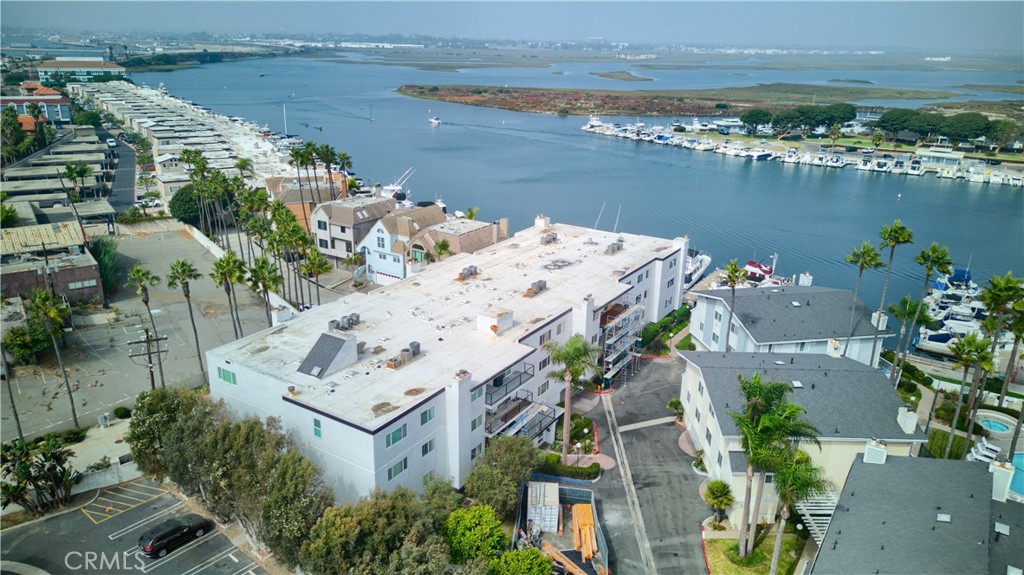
817,512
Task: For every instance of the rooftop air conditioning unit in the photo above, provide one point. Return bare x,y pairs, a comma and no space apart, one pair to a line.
345,322
539,286
415,347
354,319
334,324
406,355
394,363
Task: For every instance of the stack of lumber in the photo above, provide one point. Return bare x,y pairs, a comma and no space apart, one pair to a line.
561,559
583,530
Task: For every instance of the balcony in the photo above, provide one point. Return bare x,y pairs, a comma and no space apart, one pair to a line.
507,412
622,320
506,383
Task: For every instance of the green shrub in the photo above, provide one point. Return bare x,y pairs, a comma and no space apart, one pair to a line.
657,347
936,446
67,437
104,251
553,466
682,314
648,334
122,412
686,344
103,463
754,558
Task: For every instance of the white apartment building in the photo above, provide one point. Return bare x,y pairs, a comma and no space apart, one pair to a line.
853,405
384,388
784,319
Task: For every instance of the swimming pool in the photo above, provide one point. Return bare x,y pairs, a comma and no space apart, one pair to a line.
993,425
1017,484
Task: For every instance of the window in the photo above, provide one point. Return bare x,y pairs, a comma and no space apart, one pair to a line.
398,468
226,376
544,362
719,458
696,413
732,328
380,243
558,329
803,345
671,263
714,337
323,243
671,282
645,294
321,225
543,388
700,388
545,337
477,422
476,393
687,396
395,436
770,478
593,339
718,315
647,274
382,256
637,299
476,451
427,447
700,326
707,435
426,416
342,229
316,428
82,284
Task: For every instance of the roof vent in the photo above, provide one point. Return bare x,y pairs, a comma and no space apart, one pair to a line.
548,239
779,362
797,384
468,272
536,287
944,518
612,248
795,303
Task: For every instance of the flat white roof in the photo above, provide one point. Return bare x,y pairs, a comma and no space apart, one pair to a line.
440,312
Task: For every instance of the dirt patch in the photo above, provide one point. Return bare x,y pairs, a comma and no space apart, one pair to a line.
212,310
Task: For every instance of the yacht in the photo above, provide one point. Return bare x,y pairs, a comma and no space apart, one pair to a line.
435,121
759,154
915,168
697,264
792,156
882,165
866,164
899,167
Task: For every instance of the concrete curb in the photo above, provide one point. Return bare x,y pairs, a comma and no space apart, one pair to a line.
55,514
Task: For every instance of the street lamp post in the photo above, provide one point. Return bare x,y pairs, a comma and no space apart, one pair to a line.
579,447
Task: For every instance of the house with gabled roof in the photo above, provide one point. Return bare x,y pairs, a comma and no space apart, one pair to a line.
339,226
385,247
853,406
785,319
918,515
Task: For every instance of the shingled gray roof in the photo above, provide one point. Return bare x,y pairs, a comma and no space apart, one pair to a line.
838,392
769,313
886,520
1006,550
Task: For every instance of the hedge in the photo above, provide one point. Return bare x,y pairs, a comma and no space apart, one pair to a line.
553,466
67,437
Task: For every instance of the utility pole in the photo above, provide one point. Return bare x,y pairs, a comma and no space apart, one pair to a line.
149,341
46,264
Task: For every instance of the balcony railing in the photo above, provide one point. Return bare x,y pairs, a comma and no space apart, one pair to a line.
507,412
538,423
503,385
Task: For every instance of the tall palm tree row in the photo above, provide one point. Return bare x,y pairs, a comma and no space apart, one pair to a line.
309,157
967,351
864,257
314,266
933,259
140,278
734,276
44,307
182,272
227,271
892,236
578,359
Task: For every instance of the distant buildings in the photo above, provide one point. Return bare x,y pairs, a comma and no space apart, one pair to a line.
56,109
49,256
77,69
384,388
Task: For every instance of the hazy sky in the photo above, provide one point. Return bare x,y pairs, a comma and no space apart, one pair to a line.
939,26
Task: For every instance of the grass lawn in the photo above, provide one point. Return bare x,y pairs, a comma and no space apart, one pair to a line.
792,548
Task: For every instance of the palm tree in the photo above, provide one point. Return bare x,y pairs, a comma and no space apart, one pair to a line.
967,351
895,235
182,272
297,159
344,163
326,154
718,494
578,359
316,264
36,112
471,213
796,479
1002,293
835,132
44,307
72,175
227,271
906,311
142,279
309,155
1015,325
244,166
734,276
263,277
83,171
865,257
935,258
442,248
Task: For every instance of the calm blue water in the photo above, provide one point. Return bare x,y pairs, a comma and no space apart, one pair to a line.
516,165
1017,484
996,426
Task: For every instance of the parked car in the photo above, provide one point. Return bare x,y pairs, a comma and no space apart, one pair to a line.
851,148
868,151
161,539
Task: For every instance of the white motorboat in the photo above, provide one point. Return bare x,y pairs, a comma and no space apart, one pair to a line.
697,264
915,168
866,164
434,121
792,156
759,154
882,165
899,167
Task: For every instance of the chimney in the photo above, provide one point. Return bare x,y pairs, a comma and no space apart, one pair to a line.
875,452
907,420
833,348
500,230
542,221
879,320
1002,474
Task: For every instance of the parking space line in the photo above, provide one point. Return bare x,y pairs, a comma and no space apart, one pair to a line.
145,489
117,498
232,556
209,561
105,511
126,496
137,524
247,569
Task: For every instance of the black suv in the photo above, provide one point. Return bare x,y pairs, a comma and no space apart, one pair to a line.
160,539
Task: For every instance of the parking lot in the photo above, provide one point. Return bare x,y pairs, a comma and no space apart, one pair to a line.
102,538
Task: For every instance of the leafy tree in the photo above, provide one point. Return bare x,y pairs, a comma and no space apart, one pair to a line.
520,562
838,113
927,125
877,138
189,456
719,496
295,499
892,236
11,133
865,257
44,308
810,117
967,351
25,343
183,205
442,248
896,120
104,251
422,553
8,214
182,272
152,417
500,470
355,533
967,126
142,279
1005,132
474,531
754,118
734,276
578,359
88,118
439,499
